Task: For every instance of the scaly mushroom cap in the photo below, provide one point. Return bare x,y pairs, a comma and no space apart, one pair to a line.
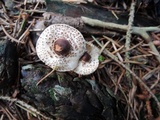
88,67
50,49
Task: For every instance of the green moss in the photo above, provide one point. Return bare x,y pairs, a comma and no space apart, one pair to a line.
52,94
101,58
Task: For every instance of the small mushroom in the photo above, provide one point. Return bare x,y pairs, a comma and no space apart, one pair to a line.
89,61
85,57
64,47
60,46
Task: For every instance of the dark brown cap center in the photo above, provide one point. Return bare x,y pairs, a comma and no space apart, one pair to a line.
85,57
62,47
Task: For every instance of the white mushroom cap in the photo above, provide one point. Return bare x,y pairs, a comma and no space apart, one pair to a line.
45,52
90,66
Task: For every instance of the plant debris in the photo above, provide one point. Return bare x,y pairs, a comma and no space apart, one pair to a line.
126,84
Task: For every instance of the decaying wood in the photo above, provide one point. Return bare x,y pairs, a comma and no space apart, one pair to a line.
53,18
8,65
77,22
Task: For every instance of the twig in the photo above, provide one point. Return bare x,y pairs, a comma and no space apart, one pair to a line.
140,56
10,114
32,46
131,48
27,106
35,1
108,25
109,39
35,11
142,31
26,31
150,73
25,2
120,88
128,40
131,100
117,53
4,22
24,17
118,50
155,83
109,54
104,46
35,7
114,14
10,37
2,116
117,84
5,110
46,76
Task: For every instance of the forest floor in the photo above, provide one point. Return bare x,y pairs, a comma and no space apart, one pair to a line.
126,84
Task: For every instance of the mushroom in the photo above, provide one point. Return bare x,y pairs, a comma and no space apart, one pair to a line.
60,46
89,62
63,47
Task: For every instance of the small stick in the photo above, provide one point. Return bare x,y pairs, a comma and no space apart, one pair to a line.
32,46
117,53
8,35
104,46
21,29
155,83
128,39
118,50
131,48
118,82
109,54
140,56
26,31
27,106
109,39
35,11
35,7
46,76
142,31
